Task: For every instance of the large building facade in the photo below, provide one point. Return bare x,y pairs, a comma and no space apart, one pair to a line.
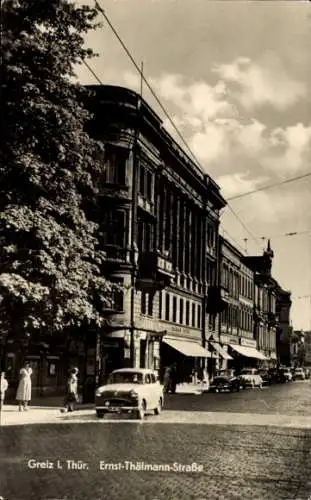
237,333
159,220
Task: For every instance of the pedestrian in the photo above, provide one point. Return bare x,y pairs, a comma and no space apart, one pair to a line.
4,386
167,381
71,396
174,377
205,379
23,394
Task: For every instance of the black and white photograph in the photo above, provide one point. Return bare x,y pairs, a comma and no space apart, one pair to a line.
155,250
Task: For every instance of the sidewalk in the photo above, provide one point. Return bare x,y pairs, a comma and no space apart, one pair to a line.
191,388
42,414
47,410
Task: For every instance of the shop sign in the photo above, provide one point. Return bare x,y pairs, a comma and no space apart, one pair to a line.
184,332
179,329
248,342
228,339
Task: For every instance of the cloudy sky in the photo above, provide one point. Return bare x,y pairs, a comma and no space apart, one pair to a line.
235,78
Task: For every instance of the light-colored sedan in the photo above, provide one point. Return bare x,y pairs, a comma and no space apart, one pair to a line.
135,391
251,377
299,374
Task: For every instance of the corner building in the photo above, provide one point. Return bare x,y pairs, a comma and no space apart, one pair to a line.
159,219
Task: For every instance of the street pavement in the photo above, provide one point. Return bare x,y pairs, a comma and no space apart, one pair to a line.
251,445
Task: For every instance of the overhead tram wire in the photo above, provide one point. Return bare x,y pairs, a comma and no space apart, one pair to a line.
270,186
233,239
285,235
92,72
153,93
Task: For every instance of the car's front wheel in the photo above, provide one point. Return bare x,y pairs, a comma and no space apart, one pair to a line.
159,408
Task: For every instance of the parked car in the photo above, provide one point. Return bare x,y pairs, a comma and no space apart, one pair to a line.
266,376
299,374
225,381
274,375
285,375
251,377
130,390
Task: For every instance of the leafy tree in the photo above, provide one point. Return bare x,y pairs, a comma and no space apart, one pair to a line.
50,260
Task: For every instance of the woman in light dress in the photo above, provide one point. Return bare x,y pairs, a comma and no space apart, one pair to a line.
23,394
4,386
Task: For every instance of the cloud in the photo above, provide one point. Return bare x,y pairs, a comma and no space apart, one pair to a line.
266,209
239,182
290,149
220,134
258,84
194,98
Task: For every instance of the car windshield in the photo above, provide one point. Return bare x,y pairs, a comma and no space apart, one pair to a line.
126,378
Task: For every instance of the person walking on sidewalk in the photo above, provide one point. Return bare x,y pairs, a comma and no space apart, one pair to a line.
4,387
23,394
167,381
71,396
174,378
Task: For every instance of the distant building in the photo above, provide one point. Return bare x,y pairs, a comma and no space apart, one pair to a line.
236,323
307,347
265,319
284,329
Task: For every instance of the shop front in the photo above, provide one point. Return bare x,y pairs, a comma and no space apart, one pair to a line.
220,353
188,354
244,353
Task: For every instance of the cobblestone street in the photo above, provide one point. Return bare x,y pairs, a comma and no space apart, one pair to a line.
260,461
238,462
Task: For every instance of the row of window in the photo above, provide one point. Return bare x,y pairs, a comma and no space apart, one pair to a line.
246,287
236,284
230,281
180,224
264,300
266,340
236,318
179,310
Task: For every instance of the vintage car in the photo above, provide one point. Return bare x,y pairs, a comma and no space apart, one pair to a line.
266,376
251,377
299,374
225,381
285,375
135,391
